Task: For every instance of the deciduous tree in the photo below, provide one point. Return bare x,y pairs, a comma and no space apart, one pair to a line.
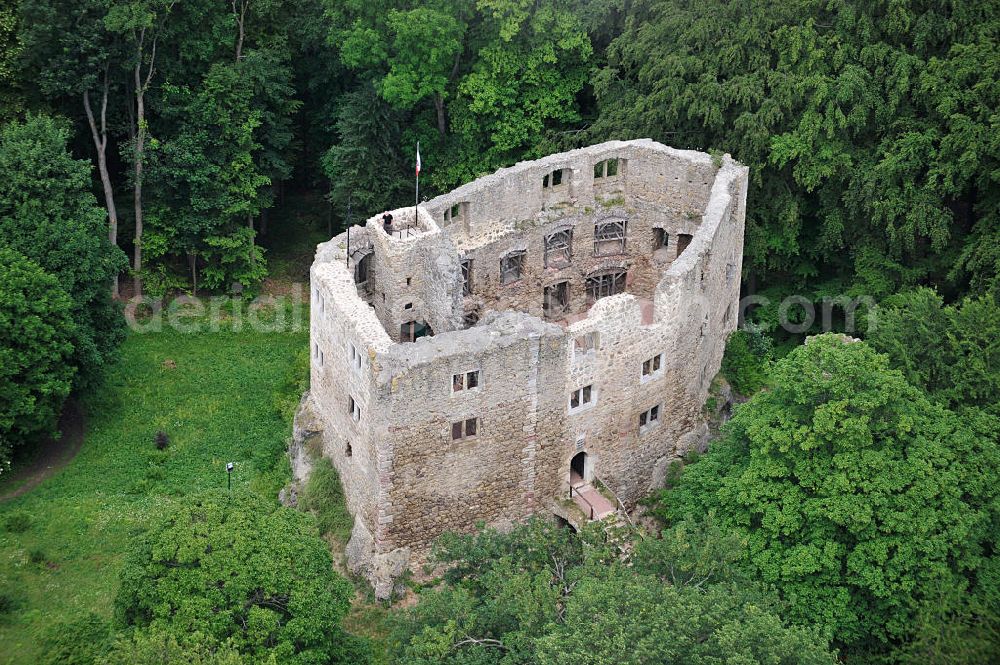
857,496
242,571
36,333
48,213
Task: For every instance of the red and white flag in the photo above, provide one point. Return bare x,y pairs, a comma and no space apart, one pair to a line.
418,157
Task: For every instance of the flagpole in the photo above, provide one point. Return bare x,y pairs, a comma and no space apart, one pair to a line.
416,198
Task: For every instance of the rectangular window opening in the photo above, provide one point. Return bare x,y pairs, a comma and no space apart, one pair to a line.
556,300
609,237
602,286
467,277
456,212
465,381
581,397
511,267
651,368
464,429
607,168
649,418
683,240
559,249
660,239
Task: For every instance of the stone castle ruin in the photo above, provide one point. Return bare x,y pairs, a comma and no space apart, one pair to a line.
538,341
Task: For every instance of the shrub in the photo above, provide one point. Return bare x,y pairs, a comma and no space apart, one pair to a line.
951,351
856,494
8,601
324,496
746,362
142,647
36,329
240,569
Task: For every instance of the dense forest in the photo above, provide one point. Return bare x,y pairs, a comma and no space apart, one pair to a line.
848,512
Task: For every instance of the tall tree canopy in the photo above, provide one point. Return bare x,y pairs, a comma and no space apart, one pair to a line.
858,497
36,332
48,214
952,351
242,571
870,128
544,594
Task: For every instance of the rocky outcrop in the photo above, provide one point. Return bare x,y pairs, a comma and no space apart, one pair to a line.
307,431
381,570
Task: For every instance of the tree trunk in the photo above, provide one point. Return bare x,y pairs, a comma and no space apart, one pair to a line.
193,263
240,14
439,107
100,136
140,147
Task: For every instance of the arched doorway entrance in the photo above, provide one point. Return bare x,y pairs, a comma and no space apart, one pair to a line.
578,470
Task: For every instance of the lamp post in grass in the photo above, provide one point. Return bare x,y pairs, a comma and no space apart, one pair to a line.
229,476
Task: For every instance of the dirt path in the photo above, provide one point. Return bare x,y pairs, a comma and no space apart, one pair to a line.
52,454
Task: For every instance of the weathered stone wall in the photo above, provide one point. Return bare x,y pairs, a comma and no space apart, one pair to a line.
441,484
414,273
406,478
340,320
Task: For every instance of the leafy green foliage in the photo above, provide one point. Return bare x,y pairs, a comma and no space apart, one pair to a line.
542,594
856,495
11,99
36,333
746,362
425,45
527,74
324,497
951,630
951,351
48,214
866,126
212,169
493,79
145,647
68,47
237,567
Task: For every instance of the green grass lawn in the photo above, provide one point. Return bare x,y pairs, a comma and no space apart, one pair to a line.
225,397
